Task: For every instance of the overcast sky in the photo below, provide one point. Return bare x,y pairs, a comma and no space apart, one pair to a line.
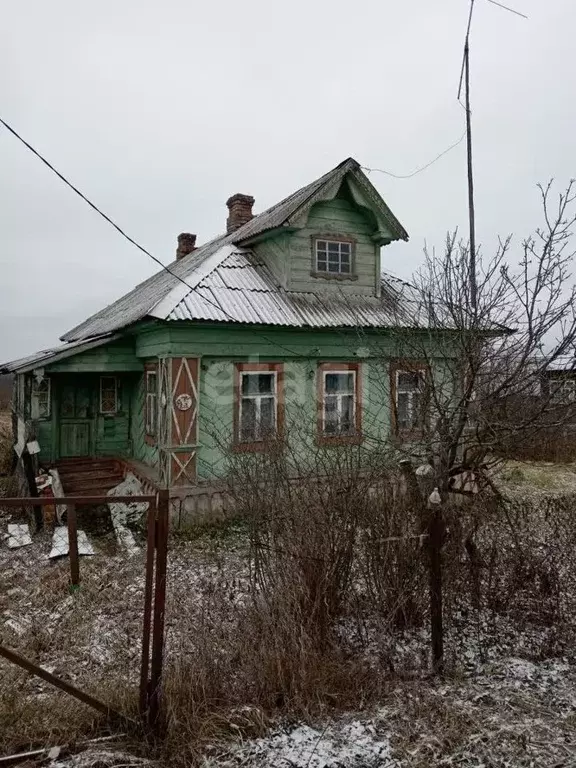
159,111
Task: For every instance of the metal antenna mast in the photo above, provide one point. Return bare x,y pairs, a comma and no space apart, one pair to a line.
465,78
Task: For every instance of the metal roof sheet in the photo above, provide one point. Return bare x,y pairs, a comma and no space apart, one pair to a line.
253,297
165,288
47,356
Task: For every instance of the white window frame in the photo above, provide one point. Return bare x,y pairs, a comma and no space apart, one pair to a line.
116,403
333,241
258,397
35,399
339,396
421,372
557,396
151,405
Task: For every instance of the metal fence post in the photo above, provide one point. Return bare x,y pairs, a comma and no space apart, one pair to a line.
435,536
73,547
159,609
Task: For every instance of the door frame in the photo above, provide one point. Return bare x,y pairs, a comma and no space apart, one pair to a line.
91,381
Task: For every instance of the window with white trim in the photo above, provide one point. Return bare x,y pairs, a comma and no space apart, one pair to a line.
410,402
333,257
108,395
41,398
258,405
562,390
338,403
151,409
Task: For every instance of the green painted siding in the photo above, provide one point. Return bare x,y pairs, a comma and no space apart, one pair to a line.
238,342
275,252
217,408
112,436
104,435
111,358
44,436
141,450
333,218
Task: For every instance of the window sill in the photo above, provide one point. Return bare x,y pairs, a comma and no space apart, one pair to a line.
333,276
258,446
339,440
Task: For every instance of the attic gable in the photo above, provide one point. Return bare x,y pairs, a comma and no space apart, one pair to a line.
293,211
151,297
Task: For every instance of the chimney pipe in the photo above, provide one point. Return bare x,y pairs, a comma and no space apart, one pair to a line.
239,211
186,244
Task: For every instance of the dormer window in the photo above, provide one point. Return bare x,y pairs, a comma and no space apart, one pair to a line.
333,257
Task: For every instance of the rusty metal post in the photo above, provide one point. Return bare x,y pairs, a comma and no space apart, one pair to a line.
73,546
148,602
34,669
435,536
159,609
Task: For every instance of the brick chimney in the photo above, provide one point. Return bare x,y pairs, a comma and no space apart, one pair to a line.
186,244
239,211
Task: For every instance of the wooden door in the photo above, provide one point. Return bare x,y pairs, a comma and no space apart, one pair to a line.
76,418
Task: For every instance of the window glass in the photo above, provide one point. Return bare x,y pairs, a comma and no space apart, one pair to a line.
410,399
257,407
339,403
108,394
40,406
333,256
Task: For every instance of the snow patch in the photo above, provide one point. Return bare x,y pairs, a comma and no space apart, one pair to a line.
339,745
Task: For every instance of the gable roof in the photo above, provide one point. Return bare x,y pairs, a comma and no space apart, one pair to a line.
159,295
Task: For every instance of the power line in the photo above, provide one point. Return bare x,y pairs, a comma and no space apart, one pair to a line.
507,8
86,200
131,240
294,353
418,170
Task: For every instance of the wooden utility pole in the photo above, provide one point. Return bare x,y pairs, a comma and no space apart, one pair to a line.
471,212
465,76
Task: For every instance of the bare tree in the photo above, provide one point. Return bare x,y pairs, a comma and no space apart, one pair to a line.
468,385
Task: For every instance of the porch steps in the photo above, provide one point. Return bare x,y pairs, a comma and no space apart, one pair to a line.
89,477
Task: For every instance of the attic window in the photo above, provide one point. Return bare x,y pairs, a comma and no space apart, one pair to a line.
333,257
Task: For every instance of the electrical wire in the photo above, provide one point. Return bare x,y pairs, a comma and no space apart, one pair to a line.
294,353
418,170
86,200
126,236
507,8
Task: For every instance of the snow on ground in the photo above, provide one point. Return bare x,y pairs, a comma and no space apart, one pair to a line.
508,701
341,744
512,714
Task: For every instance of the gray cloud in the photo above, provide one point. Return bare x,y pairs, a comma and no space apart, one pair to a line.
160,111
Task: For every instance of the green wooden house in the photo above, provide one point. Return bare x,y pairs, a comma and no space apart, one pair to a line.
279,322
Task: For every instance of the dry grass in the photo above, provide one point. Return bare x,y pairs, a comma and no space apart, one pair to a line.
305,612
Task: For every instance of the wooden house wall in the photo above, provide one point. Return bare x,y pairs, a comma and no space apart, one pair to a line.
333,218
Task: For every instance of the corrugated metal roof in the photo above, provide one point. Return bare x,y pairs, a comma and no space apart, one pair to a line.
47,356
252,296
165,288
